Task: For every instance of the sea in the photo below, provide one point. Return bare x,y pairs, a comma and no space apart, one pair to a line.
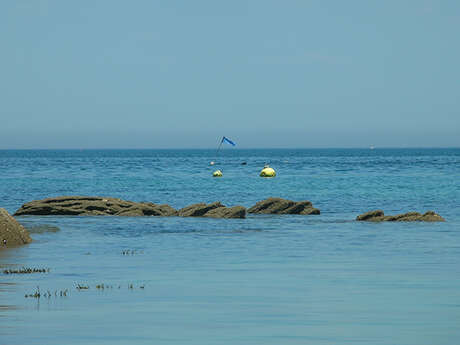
266,279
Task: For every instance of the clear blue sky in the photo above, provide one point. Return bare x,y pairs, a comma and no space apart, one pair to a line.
156,74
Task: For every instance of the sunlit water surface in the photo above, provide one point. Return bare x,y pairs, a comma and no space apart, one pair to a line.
322,279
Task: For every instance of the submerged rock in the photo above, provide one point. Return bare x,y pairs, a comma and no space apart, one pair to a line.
378,216
283,206
11,232
41,228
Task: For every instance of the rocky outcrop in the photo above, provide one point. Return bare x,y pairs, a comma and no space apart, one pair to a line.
198,210
379,216
213,210
283,206
148,209
227,212
11,232
376,215
98,206
92,206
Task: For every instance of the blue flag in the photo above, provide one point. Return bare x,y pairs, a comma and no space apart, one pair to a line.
228,141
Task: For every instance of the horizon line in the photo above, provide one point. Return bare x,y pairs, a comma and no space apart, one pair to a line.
234,148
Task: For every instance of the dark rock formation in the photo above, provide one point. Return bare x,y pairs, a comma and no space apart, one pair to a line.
98,206
227,212
198,210
11,232
213,210
148,209
283,206
92,206
378,216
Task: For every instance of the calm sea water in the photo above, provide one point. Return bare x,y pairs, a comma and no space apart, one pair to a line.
262,280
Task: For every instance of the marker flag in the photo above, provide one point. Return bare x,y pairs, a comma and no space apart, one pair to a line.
228,141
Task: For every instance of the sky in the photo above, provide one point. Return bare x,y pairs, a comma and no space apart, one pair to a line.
181,74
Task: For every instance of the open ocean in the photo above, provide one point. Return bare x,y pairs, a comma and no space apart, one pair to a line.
319,279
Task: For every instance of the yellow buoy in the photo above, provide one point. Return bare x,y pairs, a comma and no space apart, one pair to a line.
267,172
217,173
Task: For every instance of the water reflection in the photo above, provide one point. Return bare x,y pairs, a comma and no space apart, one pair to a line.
6,287
41,228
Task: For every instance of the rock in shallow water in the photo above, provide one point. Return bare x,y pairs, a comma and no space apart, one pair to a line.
213,210
92,206
198,210
99,206
376,215
227,212
283,206
379,216
11,232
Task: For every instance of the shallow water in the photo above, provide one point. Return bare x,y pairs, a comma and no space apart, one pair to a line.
262,280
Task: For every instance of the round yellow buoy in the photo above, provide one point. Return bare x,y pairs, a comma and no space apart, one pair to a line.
217,173
267,172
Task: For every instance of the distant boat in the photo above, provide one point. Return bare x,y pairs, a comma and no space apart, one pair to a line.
372,147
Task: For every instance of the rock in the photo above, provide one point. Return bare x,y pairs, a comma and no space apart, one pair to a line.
199,210
11,232
283,206
98,206
227,212
431,216
92,206
378,216
148,209
403,217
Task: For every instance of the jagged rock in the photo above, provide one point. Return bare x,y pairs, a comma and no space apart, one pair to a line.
283,206
92,206
148,209
11,232
227,212
374,216
378,216
199,210
98,206
431,216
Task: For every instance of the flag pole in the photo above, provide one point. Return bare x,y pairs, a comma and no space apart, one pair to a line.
221,141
